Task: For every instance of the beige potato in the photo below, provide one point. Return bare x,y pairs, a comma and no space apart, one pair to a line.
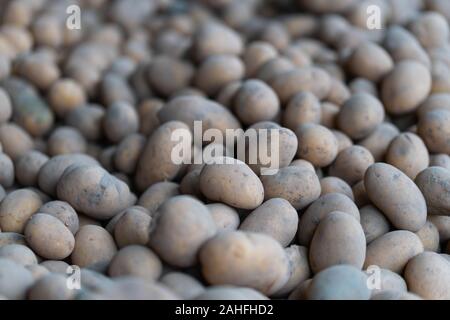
28,166
16,208
431,29
274,67
157,194
132,227
351,164
302,108
373,222
256,54
64,212
335,185
18,253
433,183
299,268
429,235
51,287
88,120
245,259
6,171
393,250
127,153
65,140
442,223
121,119
15,280
433,128
379,140
225,217
440,160
66,95
15,140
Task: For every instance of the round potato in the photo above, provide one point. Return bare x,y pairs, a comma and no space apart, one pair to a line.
225,217
440,160
302,108
157,194
429,235
51,287
28,166
373,222
442,223
433,128
351,164
335,185
379,140
15,279
64,212
18,253
16,208
132,227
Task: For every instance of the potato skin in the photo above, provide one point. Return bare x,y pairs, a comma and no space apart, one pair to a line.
335,185
15,280
428,275
442,223
19,253
393,250
433,182
6,171
245,259
132,228
351,164
379,140
396,196
16,208
373,222
157,194
28,166
338,239
94,248
281,185
49,237
276,218
51,287
224,183
429,235
64,212
180,227
433,128
225,217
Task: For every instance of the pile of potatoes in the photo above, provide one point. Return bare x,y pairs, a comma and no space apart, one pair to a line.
92,206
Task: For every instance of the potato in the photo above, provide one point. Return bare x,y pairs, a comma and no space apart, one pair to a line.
361,85
65,140
275,34
389,281
66,95
54,168
37,271
339,282
440,160
94,248
16,208
379,140
319,209
227,292
55,266
7,238
275,218
64,212
370,61
148,115
226,95
225,217
373,222
255,101
49,237
317,144
28,166
128,152
303,164
137,261
360,115
338,239
428,275
302,108
432,182
433,129
206,41
6,171
6,106
301,291
18,253
274,67
157,194
14,279
393,250
93,191
431,29
339,92
351,164
433,102
190,184
335,185
223,182
15,141
256,54
398,100
429,235
120,120
181,226
299,268
132,227
442,223
183,284
245,259
51,287
88,120
343,140
312,79
396,196
297,185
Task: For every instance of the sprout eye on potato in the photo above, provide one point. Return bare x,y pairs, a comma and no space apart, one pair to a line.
225,149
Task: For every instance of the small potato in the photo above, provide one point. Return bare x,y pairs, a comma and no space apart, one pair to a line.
312,79
373,222
335,185
28,166
155,163
433,102
225,217
429,235
94,248
276,34
343,140
88,120
64,212
276,218
137,261
433,182
223,182
393,250
190,184
182,284
148,115
405,87
66,95
121,119
297,185
274,67
6,106
442,223
6,171
360,115
37,271
16,208
64,140
18,253
428,275
299,268
226,95
157,194
128,152
351,164
15,280
379,140
338,239
408,153
396,196
51,287
370,61
256,54
317,144
340,282
245,259
440,160
303,164
255,101
93,191
389,281
433,128
7,238
302,108
339,92
182,224
132,228
361,85
431,29
55,266
49,237
319,209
